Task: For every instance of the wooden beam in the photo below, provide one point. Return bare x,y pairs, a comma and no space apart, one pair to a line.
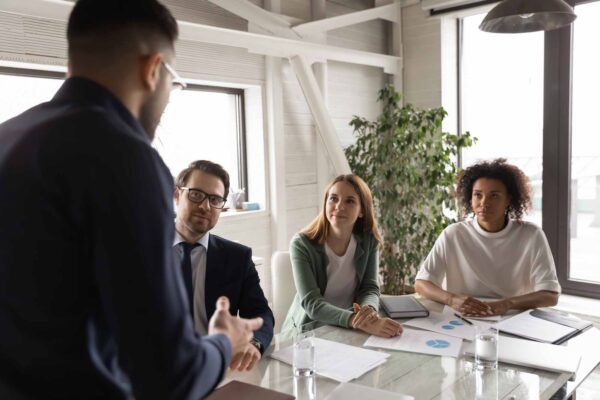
320,113
388,12
267,20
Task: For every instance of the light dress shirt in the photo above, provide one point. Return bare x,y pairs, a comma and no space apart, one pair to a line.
198,259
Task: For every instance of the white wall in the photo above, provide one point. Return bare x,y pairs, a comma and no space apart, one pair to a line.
422,58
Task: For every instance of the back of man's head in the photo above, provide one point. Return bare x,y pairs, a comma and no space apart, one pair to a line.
114,28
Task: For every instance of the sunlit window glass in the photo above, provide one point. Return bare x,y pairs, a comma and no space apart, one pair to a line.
201,125
585,152
19,93
502,100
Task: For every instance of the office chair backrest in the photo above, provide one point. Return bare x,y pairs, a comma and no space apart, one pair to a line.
284,290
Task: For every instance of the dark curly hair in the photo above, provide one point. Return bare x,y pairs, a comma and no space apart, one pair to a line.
515,180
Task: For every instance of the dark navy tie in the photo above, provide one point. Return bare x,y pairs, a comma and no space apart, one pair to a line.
186,270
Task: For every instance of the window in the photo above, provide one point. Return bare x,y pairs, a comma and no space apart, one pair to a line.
200,122
585,147
502,100
205,123
532,98
22,89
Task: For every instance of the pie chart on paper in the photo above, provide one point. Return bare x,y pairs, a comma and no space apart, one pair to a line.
438,343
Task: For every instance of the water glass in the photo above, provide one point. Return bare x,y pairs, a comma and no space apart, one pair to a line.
486,384
305,387
486,347
304,353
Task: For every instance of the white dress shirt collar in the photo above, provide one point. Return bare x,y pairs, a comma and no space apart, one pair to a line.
203,240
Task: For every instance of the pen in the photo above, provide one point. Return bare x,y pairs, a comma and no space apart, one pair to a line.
463,318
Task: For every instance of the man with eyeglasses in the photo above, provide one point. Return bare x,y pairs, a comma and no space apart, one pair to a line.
92,305
213,266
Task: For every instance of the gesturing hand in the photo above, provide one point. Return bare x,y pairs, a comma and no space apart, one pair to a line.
238,330
245,359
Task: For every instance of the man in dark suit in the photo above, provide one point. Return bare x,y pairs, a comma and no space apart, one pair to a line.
91,303
213,266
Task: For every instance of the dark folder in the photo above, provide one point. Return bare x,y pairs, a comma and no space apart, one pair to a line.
562,318
403,307
244,391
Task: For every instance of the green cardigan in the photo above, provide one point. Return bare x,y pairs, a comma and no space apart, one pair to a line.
309,264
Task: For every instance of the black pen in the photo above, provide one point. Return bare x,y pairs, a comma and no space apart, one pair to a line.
463,318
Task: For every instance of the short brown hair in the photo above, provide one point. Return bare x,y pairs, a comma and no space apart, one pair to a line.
205,166
95,24
318,230
515,180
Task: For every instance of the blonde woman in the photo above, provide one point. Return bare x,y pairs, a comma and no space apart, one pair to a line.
335,261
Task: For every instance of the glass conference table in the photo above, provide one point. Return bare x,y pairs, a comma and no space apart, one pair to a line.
430,377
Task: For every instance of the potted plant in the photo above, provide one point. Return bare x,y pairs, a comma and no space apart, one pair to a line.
409,164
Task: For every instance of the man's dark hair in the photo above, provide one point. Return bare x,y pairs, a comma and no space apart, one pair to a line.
515,180
208,167
94,24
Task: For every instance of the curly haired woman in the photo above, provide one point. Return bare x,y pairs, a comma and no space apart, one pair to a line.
495,254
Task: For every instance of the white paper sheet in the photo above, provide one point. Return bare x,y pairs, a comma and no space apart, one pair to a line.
337,361
534,328
447,323
352,391
416,341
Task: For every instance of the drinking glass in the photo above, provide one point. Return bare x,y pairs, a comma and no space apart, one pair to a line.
304,353
486,347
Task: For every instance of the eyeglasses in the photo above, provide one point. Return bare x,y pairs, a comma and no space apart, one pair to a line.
178,82
198,196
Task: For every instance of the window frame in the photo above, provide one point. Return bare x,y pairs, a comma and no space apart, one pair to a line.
240,115
556,203
240,111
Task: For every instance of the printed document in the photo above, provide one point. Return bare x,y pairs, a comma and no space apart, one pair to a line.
417,341
337,361
447,323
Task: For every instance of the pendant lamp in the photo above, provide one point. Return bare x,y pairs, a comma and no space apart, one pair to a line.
518,16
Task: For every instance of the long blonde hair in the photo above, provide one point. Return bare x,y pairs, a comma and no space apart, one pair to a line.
318,230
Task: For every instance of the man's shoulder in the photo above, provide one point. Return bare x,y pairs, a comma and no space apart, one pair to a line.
227,245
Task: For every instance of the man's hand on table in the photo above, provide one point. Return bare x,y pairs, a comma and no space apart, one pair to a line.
246,359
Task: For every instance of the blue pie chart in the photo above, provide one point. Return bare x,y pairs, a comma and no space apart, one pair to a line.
456,322
448,327
438,343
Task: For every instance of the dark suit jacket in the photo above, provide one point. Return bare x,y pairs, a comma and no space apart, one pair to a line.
230,272
91,304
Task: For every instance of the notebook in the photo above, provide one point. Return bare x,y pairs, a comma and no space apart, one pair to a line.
403,307
244,391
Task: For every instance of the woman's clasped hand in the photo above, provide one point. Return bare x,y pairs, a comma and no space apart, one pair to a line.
366,319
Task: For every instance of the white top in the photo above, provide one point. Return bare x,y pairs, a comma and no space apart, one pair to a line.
341,276
515,261
198,260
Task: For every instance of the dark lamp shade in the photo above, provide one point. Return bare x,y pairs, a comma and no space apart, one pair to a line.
519,16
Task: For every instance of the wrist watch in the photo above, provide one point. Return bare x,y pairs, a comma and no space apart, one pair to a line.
256,344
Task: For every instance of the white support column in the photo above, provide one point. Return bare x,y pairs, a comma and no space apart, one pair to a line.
319,12
276,146
317,106
397,77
